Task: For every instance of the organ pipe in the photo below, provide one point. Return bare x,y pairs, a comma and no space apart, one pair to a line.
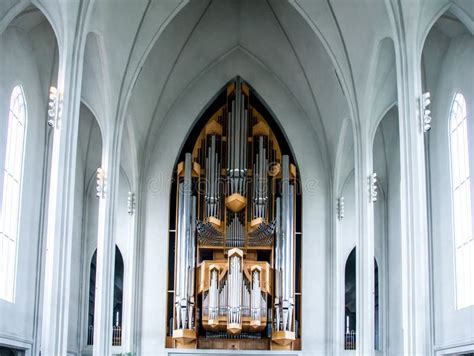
256,296
213,296
184,296
235,292
284,303
237,143
212,180
243,232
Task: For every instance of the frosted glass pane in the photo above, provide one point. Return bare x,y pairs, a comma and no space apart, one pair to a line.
12,193
461,193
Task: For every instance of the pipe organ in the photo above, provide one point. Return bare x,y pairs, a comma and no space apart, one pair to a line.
235,260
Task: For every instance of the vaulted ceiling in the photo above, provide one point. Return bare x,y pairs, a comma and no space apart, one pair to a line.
320,52
334,58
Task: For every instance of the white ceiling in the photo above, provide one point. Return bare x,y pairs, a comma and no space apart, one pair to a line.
142,56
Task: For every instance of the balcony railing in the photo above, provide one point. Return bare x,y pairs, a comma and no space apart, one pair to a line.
116,335
350,340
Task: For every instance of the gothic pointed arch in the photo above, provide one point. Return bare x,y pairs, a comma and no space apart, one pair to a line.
235,230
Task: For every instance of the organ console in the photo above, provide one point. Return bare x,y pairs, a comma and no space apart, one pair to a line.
235,233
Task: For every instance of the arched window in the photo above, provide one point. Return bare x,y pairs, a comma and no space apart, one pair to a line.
10,208
350,302
117,303
350,316
461,198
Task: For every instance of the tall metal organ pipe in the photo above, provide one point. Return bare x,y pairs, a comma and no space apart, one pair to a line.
278,254
235,290
237,130
212,180
285,249
260,196
256,295
214,295
184,298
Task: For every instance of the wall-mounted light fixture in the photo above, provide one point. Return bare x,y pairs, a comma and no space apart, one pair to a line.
101,182
340,208
373,187
425,112
131,203
54,107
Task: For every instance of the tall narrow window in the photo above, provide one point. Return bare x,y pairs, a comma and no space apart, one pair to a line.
461,197
10,208
118,299
350,315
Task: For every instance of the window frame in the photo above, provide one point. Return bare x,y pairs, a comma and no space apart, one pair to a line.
461,110
20,119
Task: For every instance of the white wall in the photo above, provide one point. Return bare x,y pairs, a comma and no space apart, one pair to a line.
445,76
386,152
19,64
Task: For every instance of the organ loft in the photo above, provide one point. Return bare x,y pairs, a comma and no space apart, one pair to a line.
235,229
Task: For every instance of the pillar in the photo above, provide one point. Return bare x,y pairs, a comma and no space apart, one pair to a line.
365,249
108,184
414,224
59,225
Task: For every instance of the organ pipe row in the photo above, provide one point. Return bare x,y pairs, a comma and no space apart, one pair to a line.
235,241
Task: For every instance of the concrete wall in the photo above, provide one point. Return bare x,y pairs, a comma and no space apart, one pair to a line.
23,62
449,69
387,232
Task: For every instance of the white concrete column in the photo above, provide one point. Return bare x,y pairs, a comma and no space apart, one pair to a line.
103,312
55,319
414,227
365,249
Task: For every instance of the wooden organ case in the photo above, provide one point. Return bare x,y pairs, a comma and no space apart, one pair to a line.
234,264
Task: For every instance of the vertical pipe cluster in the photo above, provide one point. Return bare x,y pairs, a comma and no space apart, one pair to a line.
237,129
186,249
213,168
284,253
214,295
246,290
235,234
223,298
256,296
260,195
235,291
